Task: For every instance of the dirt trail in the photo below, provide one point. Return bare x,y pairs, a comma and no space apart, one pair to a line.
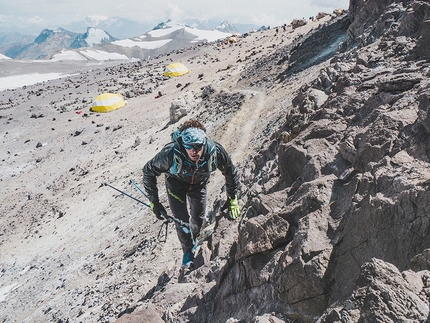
241,128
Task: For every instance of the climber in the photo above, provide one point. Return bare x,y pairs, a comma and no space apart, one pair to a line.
188,162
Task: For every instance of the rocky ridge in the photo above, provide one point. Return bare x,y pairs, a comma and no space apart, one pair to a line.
334,165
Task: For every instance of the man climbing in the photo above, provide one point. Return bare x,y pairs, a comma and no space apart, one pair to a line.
188,162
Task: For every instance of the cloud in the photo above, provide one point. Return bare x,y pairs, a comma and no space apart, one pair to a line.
265,19
36,21
331,4
4,19
174,12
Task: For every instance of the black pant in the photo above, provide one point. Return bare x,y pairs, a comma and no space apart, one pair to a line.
179,195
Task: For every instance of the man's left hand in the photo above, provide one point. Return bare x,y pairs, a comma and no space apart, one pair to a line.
234,208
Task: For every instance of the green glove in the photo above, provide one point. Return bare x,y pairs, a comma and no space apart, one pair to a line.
234,208
158,209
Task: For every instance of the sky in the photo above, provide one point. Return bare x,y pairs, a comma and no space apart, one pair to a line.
48,13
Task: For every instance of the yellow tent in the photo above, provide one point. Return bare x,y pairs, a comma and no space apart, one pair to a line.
106,102
176,69
232,39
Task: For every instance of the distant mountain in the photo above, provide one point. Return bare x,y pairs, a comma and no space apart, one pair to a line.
118,27
48,41
12,43
98,44
226,27
17,41
169,35
214,24
165,37
92,37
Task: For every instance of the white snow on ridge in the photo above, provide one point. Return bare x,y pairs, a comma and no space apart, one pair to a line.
165,31
100,55
142,44
209,35
89,54
96,36
15,81
4,57
68,55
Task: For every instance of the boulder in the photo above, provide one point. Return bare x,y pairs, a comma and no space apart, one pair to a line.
141,316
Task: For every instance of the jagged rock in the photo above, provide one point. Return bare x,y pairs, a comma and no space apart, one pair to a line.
321,15
398,83
382,294
137,142
261,234
296,23
421,261
423,114
141,316
179,108
423,44
370,19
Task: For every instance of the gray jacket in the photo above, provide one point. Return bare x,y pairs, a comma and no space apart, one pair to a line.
173,161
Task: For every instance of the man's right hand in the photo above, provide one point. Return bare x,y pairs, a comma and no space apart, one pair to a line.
158,209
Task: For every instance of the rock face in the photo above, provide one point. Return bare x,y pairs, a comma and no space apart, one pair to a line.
336,206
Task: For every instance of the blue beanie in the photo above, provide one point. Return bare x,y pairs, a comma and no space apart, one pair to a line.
193,136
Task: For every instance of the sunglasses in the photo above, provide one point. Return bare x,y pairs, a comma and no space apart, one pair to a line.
196,147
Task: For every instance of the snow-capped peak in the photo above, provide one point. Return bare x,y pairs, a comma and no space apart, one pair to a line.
95,36
163,25
226,27
164,29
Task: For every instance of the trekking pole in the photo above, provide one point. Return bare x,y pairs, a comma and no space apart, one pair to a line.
185,226
131,181
181,223
124,193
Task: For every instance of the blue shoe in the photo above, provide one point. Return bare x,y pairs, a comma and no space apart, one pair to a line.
187,260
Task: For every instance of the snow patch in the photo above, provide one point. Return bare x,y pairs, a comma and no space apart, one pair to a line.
96,36
5,290
13,82
165,31
4,57
103,56
209,35
142,44
68,55
90,54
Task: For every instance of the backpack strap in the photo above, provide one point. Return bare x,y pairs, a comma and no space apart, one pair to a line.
175,135
211,151
177,161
